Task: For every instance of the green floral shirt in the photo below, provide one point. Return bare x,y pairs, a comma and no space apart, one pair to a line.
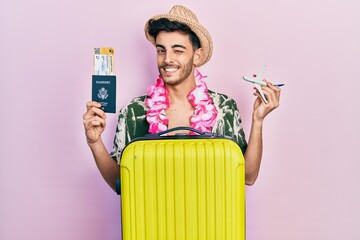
132,122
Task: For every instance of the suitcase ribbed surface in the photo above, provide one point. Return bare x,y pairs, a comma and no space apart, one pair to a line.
183,189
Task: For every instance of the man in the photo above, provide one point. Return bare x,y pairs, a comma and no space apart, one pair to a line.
179,98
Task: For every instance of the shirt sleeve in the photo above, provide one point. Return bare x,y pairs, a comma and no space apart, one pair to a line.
132,123
121,136
228,120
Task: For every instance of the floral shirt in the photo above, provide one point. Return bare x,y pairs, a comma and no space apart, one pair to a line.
132,122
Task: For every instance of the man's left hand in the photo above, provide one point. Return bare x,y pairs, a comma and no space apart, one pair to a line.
262,109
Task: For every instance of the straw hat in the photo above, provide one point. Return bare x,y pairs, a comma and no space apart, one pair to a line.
183,15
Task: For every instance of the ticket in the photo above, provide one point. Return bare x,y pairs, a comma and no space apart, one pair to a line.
104,61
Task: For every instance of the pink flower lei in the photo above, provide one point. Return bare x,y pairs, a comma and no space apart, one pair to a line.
158,101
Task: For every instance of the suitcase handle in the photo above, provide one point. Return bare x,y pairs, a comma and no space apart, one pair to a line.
198,132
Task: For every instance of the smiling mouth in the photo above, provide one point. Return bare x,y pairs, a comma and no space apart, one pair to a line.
170,69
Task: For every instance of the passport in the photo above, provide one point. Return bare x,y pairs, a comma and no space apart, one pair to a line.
104,92
103,79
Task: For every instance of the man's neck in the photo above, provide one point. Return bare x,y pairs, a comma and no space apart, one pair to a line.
179,93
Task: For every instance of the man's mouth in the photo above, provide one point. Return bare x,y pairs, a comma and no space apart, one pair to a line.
170,68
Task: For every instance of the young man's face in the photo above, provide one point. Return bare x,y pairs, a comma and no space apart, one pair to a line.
175,57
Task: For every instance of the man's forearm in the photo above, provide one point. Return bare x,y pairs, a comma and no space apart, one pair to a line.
253,153
108,168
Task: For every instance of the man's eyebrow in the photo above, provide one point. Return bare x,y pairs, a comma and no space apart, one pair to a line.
178,46
173,46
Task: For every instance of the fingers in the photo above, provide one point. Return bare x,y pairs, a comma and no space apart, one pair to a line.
94,116
272,94
276,89
261,97
93,108
94,121
92,104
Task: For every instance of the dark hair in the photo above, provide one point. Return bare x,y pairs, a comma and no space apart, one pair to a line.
164,24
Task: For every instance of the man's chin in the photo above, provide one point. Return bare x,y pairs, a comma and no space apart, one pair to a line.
168,77
171,82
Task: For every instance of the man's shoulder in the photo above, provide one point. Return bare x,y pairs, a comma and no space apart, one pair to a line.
136,104
211,92
221,99
137,101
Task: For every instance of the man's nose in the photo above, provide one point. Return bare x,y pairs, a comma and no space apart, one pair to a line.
168,57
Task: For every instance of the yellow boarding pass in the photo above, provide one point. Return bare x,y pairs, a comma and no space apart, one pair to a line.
104,61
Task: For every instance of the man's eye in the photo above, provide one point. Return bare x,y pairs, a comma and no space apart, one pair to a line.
160,51
178,51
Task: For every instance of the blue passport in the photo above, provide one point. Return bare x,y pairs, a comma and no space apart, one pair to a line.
104,92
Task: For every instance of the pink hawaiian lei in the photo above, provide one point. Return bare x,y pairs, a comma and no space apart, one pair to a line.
158,101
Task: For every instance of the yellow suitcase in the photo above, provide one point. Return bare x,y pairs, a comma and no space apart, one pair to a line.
183,187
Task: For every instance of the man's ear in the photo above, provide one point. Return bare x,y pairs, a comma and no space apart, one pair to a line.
198,56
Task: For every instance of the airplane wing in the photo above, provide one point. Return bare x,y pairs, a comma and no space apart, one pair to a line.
261,73
258,78
258,87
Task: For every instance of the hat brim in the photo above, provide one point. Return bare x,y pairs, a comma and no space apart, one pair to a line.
200,31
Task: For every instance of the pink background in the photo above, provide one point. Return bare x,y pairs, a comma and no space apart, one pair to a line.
309,184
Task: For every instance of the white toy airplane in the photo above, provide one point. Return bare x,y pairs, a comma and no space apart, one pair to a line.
258,82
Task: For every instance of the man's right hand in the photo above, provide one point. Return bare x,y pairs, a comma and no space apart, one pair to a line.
94,122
